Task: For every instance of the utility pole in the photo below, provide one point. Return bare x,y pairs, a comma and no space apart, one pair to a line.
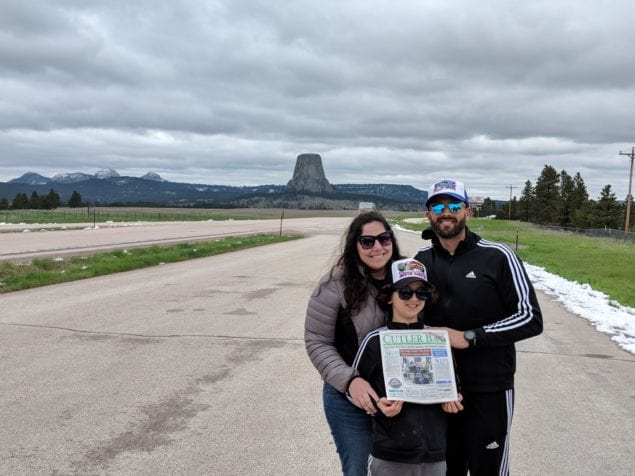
629,197
510,187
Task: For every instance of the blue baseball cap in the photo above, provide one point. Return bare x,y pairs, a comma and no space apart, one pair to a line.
449,187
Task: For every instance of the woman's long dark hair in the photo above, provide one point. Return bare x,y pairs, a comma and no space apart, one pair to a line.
356,275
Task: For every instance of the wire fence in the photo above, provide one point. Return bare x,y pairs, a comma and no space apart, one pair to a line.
596,232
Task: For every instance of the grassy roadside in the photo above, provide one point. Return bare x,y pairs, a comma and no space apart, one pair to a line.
42,272
151,214
605,264
120,214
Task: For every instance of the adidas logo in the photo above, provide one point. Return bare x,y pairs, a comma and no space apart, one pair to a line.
492,446
470,275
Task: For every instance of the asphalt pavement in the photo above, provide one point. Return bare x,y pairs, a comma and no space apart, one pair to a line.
199,368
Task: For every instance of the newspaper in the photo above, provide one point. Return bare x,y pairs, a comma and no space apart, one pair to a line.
418,366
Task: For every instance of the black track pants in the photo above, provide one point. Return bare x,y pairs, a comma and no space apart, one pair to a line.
478,436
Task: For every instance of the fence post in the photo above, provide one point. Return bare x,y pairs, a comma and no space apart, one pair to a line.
281,217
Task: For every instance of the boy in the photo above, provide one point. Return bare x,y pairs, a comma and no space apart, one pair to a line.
408,438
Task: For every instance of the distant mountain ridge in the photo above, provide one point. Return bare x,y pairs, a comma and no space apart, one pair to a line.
107,187
70,178
32,178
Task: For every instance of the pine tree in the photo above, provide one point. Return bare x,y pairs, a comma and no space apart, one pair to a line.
4,204
488,208
76,200
20,202
580,203
526,203
514,214
567,189
51,201
35,202
608,213
547,193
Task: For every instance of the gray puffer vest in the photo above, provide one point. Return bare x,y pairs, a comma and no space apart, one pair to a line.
332,344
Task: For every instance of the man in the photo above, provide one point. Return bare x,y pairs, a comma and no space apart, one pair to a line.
487,303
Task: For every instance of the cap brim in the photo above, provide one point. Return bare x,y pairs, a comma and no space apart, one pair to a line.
410,279
448,194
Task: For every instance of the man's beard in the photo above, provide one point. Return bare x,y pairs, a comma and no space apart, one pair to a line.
447,233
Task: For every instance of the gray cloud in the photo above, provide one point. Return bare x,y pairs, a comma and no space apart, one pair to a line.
230,92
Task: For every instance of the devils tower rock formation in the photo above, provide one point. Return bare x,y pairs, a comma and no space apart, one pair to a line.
308,175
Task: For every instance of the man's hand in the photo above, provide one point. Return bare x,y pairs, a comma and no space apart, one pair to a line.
363,395
390,408
457,339
453,407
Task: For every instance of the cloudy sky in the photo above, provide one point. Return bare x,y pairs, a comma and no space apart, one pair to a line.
386,91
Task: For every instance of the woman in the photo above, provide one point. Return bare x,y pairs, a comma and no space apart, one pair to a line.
342,309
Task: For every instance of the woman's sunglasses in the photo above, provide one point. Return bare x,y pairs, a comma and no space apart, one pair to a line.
367,241
406,293
454,207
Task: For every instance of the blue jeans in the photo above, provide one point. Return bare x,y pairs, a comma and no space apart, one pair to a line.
351,429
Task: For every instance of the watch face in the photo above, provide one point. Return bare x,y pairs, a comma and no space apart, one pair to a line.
469,335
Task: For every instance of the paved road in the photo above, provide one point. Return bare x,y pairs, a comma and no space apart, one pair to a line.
25,242
199,368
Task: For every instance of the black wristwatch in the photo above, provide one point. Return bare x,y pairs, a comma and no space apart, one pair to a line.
470,337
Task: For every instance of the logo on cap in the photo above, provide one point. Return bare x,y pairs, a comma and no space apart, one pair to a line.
450,187
445,185
409,269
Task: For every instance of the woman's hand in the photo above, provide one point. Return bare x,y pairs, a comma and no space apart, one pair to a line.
390,408
363,395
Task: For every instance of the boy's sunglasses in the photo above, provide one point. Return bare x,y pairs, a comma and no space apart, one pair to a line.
406,293
454,207
367,241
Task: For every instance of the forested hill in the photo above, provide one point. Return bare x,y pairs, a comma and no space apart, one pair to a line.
133,190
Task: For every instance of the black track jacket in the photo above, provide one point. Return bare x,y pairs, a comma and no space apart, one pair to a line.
418,433
483,287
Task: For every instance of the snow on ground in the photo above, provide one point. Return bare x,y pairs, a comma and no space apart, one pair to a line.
580,299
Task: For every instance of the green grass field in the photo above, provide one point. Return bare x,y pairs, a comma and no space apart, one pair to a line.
607,265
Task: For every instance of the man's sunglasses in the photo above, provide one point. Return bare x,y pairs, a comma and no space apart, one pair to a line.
454,207
367,241
406,293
